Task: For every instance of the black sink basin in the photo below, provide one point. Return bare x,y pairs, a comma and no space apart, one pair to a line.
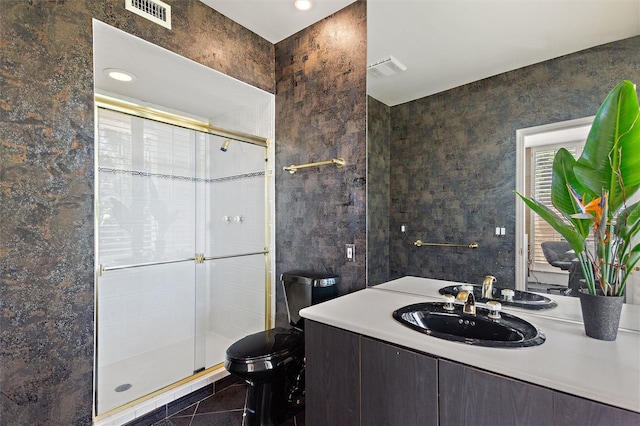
507,332
521,299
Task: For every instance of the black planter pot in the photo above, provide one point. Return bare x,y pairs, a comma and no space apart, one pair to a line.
600,315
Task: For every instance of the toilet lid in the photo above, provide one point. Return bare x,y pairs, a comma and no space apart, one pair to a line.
272,343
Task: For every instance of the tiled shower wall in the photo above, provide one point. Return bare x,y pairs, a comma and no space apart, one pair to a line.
452,158
46,185
321,114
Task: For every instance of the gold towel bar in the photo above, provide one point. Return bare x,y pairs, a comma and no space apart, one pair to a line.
339,162
420,243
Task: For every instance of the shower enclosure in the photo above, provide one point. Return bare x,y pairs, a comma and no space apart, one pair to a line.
182,252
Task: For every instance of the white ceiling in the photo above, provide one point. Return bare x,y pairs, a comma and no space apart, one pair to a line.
275,20
448,43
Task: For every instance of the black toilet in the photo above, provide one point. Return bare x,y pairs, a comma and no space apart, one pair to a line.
272,361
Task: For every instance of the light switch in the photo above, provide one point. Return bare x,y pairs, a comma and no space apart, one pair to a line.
350,250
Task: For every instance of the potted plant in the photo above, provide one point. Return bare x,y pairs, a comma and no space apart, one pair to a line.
593,196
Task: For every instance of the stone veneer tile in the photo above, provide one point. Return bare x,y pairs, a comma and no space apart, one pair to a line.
453,159
378,191
46,185
321,114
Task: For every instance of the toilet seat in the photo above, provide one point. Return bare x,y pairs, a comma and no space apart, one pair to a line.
264,351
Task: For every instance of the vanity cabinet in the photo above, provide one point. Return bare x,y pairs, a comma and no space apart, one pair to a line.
355,380
352,381
398,387
570,410
469,396
332,376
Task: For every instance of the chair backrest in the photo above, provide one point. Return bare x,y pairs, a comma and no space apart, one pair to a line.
556,251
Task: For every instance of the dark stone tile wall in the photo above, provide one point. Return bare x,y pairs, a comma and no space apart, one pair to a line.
453,158
46,186
378,191
321,114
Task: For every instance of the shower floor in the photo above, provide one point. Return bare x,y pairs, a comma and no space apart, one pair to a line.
129,379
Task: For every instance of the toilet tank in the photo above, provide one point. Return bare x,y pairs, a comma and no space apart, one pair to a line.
302,289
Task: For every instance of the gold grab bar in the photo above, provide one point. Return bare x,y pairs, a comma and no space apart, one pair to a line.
339,162
420,243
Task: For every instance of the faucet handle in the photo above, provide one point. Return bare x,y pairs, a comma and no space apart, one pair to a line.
507,294
448,302
494,309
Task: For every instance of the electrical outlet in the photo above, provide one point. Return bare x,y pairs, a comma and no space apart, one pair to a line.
350,251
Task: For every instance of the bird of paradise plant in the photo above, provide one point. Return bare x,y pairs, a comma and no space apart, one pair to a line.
593,194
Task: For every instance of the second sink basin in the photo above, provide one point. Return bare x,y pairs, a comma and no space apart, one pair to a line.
521,299
507,332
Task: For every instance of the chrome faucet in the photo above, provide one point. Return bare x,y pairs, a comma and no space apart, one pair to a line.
487,286
469,301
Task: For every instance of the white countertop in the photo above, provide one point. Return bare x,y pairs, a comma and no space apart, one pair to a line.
568,307
568,361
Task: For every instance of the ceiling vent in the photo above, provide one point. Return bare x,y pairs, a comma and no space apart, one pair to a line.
385,67
153,10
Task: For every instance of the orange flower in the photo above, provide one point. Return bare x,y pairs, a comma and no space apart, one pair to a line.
594,207
595,211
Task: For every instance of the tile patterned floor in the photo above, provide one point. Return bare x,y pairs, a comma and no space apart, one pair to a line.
224,408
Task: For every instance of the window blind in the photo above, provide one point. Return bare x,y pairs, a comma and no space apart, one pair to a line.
541,175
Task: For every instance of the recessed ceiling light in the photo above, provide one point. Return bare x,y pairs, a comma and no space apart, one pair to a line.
302,4
120,75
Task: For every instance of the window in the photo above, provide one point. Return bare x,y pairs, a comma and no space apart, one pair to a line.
541,163
547,137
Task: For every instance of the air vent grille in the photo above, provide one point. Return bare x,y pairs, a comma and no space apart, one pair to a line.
386,67
154,10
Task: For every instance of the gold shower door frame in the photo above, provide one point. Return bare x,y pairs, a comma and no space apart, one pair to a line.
118,105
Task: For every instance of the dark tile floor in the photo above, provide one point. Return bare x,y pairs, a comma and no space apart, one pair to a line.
224,408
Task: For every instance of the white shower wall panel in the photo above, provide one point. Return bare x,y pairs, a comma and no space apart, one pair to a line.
256,119
239,159
145,219
146,190
145,309
133,143
237,216
236,296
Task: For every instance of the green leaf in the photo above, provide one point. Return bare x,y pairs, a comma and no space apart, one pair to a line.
628,222
568,232
562,179
613,147
630,262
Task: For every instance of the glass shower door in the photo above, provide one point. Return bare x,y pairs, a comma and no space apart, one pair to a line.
235,245
183,253
146,241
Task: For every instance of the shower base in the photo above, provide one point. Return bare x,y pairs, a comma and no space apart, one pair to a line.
122,382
